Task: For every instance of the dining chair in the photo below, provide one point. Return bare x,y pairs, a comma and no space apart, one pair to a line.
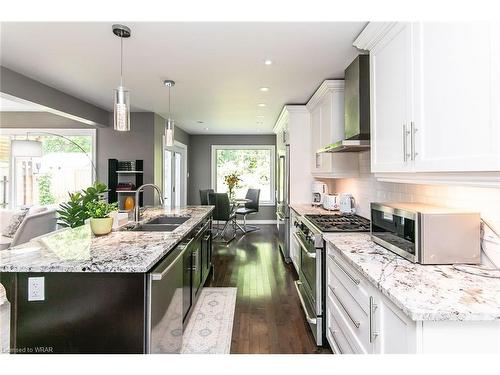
251,207
223,211
204,196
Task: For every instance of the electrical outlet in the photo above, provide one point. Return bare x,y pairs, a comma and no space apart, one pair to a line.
36,288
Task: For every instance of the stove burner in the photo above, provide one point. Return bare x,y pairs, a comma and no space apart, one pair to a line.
340,223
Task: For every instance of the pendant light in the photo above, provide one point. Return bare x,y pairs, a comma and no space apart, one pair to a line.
121,95
169,124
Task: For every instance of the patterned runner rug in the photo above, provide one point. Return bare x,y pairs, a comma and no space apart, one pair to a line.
210,327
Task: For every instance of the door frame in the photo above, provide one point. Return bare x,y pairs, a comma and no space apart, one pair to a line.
183,150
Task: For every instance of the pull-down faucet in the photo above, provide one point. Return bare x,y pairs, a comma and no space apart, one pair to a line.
137,208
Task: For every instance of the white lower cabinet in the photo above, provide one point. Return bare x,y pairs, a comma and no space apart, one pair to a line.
361,320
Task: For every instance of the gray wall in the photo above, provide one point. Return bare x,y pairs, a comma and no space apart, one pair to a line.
200,164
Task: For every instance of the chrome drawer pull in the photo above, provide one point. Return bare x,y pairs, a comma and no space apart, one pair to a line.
332,332
355,322
373,307
352,278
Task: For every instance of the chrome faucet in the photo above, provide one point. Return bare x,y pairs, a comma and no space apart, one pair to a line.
137,208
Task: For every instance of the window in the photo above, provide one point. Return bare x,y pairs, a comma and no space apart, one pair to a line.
62,168
254,165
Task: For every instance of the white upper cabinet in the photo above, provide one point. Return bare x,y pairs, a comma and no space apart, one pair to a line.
434,96
326,109
391,88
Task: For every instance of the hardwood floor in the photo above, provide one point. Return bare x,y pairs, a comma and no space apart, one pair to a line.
268,316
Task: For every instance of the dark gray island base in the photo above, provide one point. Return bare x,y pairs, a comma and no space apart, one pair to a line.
109,300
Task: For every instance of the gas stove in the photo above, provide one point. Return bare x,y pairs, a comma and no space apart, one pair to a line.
339,223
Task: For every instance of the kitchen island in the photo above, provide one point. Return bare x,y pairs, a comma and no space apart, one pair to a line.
125,292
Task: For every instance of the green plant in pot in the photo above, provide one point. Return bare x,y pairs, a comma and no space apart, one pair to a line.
74,212
100,221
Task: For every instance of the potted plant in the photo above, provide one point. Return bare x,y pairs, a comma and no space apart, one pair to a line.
100,221
232,180
73,213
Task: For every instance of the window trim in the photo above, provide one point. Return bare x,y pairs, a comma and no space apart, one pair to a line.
271,148
63,131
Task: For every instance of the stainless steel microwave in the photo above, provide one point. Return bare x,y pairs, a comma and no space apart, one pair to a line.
427,234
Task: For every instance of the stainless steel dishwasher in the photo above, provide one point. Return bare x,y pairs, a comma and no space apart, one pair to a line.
165,302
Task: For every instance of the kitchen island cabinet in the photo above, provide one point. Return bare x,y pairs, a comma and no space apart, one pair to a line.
126,292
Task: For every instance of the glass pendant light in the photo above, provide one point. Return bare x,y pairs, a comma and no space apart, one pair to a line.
169,124
121,95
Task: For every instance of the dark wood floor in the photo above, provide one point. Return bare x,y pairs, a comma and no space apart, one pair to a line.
268,316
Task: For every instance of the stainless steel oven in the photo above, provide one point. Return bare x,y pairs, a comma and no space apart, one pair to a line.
311,276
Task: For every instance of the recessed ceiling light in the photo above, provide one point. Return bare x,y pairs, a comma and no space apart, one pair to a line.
268,62
261,104
206,128
264,89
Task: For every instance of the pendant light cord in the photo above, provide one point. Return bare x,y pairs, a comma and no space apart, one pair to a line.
121,61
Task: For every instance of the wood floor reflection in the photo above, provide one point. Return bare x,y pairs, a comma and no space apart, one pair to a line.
268,316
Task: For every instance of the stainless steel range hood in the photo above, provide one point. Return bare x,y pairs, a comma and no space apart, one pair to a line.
356,108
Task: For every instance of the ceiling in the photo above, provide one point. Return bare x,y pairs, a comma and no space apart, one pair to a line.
218,67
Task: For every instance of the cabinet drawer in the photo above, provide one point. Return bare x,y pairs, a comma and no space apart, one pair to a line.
336,335
349,311
353,283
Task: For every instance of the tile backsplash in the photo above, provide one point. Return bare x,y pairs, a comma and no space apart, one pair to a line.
367,189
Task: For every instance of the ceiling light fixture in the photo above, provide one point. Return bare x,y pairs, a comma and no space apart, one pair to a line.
122,96
261,104
264,89
169,124
268,62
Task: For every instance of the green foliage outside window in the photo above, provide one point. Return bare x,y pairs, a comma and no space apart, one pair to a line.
44,186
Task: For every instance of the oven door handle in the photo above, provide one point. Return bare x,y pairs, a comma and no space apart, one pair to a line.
302,245
302,302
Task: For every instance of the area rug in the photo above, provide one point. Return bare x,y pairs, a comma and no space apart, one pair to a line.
210,327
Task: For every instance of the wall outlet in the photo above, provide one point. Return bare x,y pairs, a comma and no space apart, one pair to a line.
36,288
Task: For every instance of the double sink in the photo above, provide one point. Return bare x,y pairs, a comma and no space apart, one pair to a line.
164,223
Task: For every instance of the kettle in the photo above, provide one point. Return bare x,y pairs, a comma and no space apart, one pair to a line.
347,204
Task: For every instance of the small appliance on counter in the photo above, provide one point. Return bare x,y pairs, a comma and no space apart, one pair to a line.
319,190
347,204
427,234
331,202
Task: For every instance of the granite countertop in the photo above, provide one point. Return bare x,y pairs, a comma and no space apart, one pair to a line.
423,292
78,250
308,209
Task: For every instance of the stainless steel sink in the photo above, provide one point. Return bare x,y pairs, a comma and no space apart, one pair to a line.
165,223
176,220
154,227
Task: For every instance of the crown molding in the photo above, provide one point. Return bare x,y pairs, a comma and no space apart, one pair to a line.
284,114
327,86
372,34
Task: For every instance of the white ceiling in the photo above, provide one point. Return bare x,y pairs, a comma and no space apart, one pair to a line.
218,67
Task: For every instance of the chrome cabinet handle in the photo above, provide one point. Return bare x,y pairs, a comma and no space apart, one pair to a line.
405,147
355,322
352,278
332,332
308,254
413,130
302,302
373,307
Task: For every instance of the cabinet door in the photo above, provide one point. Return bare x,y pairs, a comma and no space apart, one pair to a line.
392,331
315,139
391,99
456,82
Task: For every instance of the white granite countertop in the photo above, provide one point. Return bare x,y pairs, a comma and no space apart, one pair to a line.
78,250
422,292
308,209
